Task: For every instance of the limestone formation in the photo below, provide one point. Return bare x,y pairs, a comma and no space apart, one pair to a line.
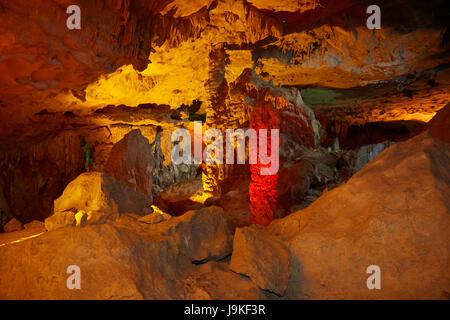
203,234
131,162
438,126
127,259
60,220
358,143
262,257
96,191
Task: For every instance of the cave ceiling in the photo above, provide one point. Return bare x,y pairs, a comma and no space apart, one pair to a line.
137,52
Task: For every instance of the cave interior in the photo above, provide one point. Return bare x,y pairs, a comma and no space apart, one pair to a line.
117,153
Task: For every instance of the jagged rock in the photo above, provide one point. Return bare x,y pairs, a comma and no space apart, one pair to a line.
100,217
127,259
36,170
439,125
155,218
34,225
203,234
262,257
13,225
394,213
214,280
182,196
99,192
294,182
289,148
60,220
236,205
183,190
131,162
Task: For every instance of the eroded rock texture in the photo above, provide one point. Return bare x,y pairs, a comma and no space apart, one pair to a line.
128,260
131,162
42,57
96,191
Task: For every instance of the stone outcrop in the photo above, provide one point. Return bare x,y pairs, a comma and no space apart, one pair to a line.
203,234
128,259
60,220
131,162
37,168
262,257
96,191
13,225
155,218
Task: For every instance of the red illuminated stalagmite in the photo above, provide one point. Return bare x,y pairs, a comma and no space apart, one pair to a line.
263,188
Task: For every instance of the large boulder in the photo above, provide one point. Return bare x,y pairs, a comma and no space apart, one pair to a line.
127,259
99,192
131,162
262,257
13,225
394,213
203,234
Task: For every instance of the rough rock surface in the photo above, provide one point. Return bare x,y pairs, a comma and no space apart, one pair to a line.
327,46
262,257
96,191
131,162
60,220
155,218
394,213
35,225
204,234
43,58
182,196
127,260
439,125
13,225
